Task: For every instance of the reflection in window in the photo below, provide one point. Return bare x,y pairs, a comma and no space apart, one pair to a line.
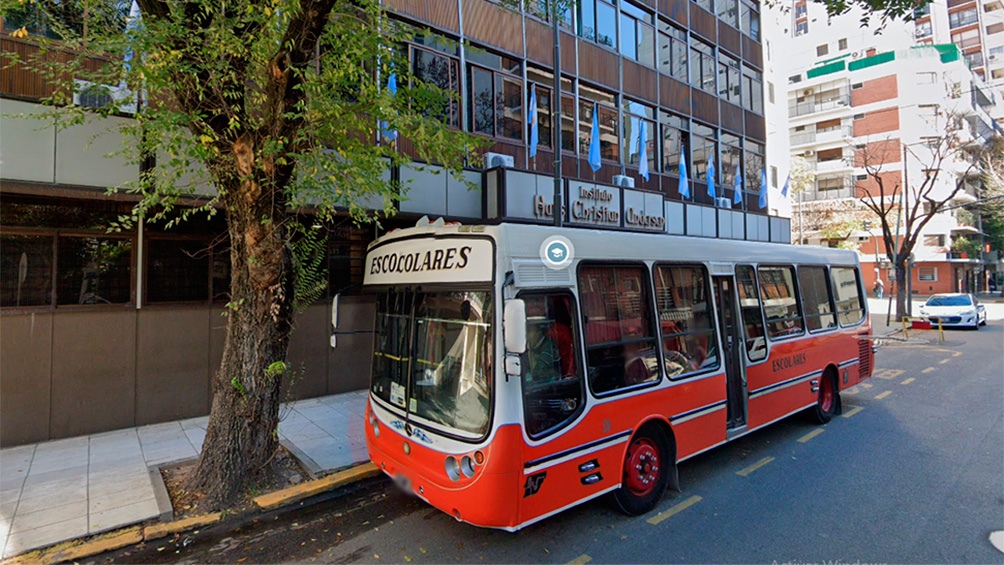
815,286
846,292
620,345
496,98
598,22
177,271
780,307
25,270
637,34
702,65
94,270
685,319
673,51
674,139
553,391
607,122
749,301
441,72
638,113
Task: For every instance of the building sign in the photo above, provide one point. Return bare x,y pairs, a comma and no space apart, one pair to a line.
594,205
644,211
427,260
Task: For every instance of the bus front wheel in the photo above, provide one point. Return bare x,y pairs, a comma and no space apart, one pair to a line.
828,400
646,472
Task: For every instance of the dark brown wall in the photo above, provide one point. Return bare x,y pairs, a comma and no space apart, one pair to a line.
66,374
640,81
493,25
438,13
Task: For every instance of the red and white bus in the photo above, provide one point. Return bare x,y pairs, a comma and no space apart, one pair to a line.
519,370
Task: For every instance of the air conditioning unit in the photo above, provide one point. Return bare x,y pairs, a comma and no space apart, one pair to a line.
723,203
807,92
993,57
93,95
494,160
855,54
808,153
624,180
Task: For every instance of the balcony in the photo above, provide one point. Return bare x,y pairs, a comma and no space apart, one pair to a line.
822,136
830,189
813,106
842,165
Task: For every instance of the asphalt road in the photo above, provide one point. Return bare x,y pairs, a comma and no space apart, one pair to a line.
913,472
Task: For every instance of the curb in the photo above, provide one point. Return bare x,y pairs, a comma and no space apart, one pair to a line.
83,548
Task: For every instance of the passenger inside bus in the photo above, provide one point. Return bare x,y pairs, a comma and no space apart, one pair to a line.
543,359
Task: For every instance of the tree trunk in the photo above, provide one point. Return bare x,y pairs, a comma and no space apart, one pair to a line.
242,436
901,291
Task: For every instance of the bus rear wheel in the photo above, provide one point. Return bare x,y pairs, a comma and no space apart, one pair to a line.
826,403
646,472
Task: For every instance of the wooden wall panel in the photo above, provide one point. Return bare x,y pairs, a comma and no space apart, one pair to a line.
640,81
703,23
705,107
598,65
752,52
732,117
676,10
492,24
729,39
440,13
755,128
675,94
539,42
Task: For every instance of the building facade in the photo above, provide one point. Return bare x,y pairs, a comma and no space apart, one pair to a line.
103,330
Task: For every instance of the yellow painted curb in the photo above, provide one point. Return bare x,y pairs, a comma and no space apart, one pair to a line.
99,544
310,488
155,531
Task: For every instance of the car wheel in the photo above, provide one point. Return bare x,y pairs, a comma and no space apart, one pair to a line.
828,400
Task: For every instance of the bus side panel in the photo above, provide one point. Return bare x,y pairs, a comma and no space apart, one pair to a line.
554,480
422,472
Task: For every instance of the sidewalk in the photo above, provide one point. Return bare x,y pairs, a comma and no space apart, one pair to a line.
71,488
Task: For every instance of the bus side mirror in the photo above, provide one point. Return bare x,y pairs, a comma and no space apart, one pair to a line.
514,326
334,318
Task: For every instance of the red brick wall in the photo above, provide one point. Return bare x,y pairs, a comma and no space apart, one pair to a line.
875,90
891,182
878,121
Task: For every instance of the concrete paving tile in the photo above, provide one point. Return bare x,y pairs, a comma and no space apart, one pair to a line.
7,514
61,445
124,484
24,521
9,496
98,504
130,465
56,476
309,432
14,462
123,515
196,436
193,423
51,500
12,484
70,488
51,463
48,535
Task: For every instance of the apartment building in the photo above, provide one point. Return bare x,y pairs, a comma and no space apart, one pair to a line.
107,330
885,110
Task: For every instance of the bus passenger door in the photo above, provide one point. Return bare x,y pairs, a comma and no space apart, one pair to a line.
732,344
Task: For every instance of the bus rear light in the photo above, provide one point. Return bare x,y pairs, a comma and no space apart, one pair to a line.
452,468
467,466
407,448
479,457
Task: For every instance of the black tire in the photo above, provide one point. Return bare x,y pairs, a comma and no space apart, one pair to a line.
646,472
827,401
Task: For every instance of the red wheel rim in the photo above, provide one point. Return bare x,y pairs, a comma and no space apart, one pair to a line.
826,395
641,468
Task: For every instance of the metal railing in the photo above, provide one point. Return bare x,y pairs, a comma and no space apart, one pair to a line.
812,106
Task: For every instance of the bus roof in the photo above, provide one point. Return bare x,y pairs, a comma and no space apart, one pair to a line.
522,241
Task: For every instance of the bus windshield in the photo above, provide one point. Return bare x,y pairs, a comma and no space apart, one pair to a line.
432,357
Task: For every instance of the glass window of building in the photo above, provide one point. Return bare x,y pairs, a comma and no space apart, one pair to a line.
702,65
637,34
606,105
674,139
673,51
749,16
636,114
752,90
732,155
967,38
544,80
442,72
729,87
495,94
542,10
598,22
753,166
962,18
801,28
708,5
704,146
728,11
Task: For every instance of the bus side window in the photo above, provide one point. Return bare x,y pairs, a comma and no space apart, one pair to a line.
749,300
816,298
553,392
620,340
780,301
685,320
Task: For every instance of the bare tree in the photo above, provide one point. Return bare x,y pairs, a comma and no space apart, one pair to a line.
905,203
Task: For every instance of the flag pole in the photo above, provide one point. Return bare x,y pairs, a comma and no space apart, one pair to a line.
556,115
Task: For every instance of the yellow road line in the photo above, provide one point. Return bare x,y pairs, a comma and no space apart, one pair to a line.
943,361
854,410
749,470
928,370
810,435
674,510
867,385
888,374
580,560
908,381
883,395
956,354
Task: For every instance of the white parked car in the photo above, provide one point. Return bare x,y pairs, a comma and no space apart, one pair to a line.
962,310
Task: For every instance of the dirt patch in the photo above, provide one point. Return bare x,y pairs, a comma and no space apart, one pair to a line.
286,472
